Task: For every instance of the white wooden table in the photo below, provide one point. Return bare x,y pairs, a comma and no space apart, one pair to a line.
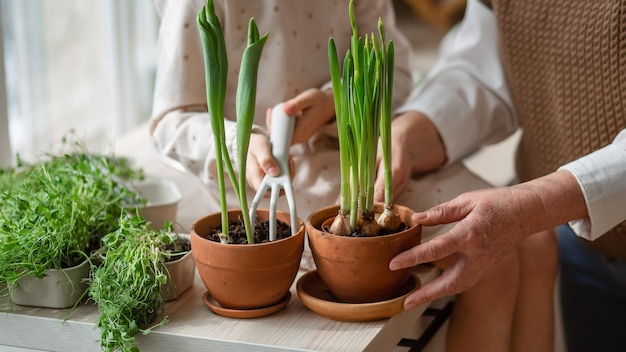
192,327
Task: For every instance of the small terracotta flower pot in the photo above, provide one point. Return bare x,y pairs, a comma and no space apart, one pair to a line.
246,276
356,269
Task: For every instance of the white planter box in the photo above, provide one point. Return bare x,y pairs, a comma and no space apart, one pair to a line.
58,289
180,275
162,198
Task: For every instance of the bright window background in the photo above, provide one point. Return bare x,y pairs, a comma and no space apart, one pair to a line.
86,66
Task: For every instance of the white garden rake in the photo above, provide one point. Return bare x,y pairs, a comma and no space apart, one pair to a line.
280,140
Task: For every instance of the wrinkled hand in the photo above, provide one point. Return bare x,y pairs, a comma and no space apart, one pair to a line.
313,108
416,148
491,223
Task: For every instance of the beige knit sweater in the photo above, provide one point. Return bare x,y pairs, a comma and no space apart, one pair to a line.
566,67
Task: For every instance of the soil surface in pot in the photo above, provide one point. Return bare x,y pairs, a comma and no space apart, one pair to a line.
181,245
237,232
76,258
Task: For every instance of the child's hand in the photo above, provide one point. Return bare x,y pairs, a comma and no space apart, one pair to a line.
313,108
260,162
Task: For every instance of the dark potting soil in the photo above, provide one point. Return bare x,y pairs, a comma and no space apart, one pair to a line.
181,245
358,233
237,232
77,258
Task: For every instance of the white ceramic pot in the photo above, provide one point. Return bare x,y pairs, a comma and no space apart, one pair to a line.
180,275
162,198
61,288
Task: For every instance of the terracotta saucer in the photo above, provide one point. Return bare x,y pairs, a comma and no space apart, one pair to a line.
316,296
216,308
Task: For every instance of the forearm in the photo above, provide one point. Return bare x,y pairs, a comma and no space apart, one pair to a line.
549,201
420,140
465,94
187,137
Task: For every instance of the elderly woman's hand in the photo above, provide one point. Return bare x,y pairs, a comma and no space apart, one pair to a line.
491,223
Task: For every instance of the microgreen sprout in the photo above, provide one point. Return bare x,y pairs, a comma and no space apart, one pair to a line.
54,212
362,94
216,71
127,285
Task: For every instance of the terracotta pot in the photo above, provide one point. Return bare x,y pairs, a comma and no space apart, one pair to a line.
61,288
246,276
356,269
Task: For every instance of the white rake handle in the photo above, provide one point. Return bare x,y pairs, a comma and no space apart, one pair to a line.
280,139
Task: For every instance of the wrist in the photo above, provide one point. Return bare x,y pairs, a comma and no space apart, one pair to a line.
559,197
424,144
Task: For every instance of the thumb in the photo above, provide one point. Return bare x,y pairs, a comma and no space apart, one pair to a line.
270,166
262,152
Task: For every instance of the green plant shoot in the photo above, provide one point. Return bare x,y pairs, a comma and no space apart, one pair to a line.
216,71
54,213
389,219
362,95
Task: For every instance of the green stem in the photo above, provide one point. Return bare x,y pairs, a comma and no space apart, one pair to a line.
245,103
216,71
344,158
385,123
363,106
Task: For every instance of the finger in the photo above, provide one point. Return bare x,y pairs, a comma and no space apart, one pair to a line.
292,168
254,174
435,249
262,155
449,283
268,165
299,103
303,130
444,213
424,295
268,118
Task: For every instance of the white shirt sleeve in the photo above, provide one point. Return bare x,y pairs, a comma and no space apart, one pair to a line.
602,178
465,94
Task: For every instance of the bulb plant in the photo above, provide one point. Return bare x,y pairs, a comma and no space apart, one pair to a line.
362,93
127,285
216,72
